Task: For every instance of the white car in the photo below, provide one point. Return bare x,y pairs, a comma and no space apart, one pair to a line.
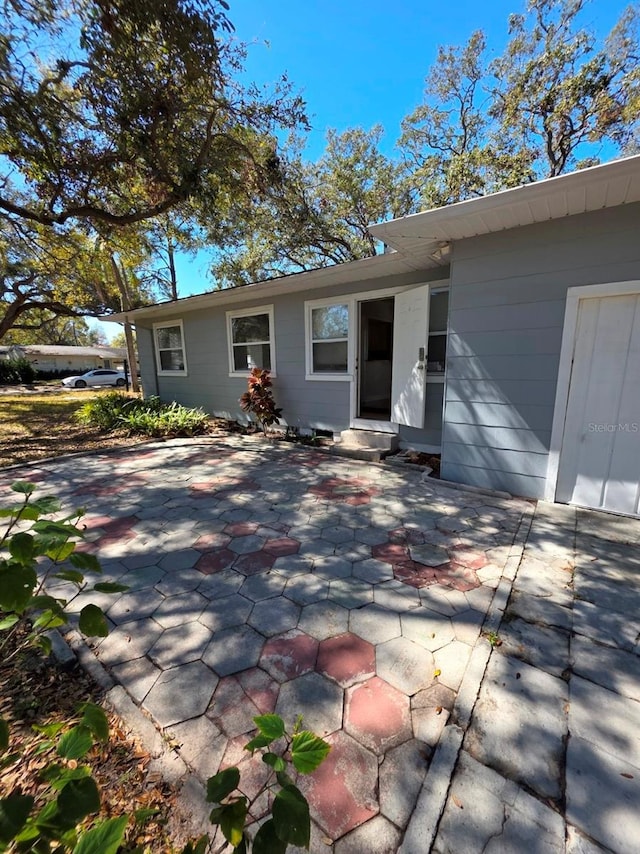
101,376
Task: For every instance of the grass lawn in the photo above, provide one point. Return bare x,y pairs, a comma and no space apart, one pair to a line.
37,425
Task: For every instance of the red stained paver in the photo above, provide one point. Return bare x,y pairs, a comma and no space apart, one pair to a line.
260,688
469,558
353,491
216,561
282,546
456,576
211,541
254,562
290,655
390,552
347,659
406,536
240,529
377,715
415,574
120,526
204,485
342,791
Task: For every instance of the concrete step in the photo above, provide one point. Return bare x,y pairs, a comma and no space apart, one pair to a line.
369,440
366,454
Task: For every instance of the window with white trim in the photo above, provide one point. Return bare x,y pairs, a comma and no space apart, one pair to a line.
251,340
328,340
169,343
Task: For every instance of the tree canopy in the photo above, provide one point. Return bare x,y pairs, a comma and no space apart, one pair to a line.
555,100
115,112
117,120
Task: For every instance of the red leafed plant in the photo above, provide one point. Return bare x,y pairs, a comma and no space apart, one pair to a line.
258,400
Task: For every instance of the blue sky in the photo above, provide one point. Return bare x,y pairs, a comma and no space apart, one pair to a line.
360,63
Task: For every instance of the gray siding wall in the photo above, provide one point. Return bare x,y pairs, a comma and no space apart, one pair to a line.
305,403
507,303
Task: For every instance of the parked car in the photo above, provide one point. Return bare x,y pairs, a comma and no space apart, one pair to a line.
101,376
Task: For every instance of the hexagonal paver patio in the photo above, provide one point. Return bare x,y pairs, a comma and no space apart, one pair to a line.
293,581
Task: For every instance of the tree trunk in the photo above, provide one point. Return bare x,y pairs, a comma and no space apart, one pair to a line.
172,269
128,334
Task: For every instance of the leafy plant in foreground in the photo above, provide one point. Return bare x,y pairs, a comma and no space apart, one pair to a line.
30,538
71,794
258,399
290,823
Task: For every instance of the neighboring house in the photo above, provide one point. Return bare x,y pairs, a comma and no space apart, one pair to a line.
68,360
503,331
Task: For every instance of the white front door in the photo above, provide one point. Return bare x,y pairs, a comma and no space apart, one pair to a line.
599,464
410,337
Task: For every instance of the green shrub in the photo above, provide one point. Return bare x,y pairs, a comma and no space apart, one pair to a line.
148,417
171,420
16,371
108,410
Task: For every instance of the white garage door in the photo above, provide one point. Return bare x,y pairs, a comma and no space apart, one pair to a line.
600,457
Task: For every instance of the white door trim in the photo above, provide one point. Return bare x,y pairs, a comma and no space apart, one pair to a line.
574,295
354,345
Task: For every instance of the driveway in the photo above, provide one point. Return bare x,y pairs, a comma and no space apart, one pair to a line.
266,577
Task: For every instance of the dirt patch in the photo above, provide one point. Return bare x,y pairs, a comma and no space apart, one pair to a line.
34,426
35,691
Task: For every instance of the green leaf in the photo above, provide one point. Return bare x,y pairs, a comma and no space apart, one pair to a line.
78,799
16,587
274,761
222,784
8,621
93,622
258,742
104,838
24,487
60,552
140,816
110,587
81,560
308,751
242,847
75,743
266,840
73,575
21,547
29,514
271,726
49,620
46,504
44,601
4,735
43,643
58,775
56,531
284,779
14,812
291,817
95,719
50,730
198,847
232,821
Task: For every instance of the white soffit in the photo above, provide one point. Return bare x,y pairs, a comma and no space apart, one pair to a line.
605,186
428,255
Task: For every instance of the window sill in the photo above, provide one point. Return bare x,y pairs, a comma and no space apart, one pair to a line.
328,377
172,373
244,374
